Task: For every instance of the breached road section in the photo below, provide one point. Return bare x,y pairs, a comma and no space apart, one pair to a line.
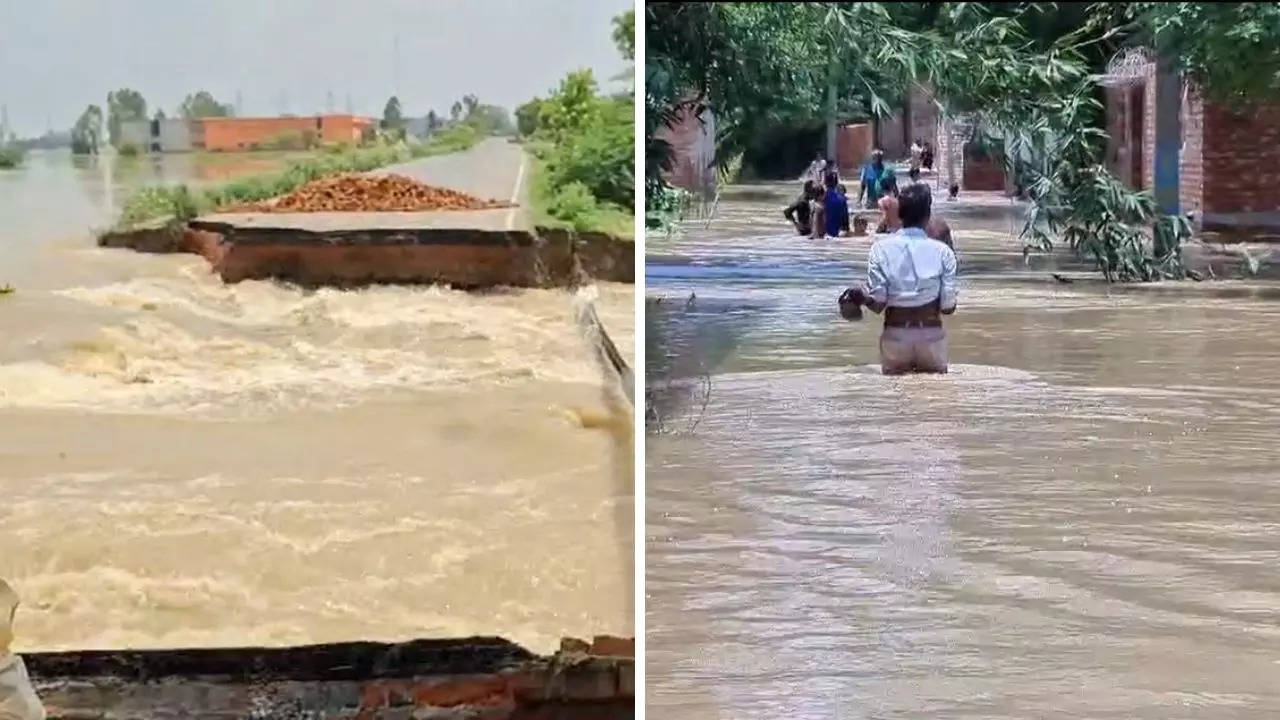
488,244
464,678
346,249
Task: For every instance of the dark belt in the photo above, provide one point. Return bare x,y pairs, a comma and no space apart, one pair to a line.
925,316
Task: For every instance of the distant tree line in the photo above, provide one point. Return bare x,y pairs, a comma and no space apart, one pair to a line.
128,105
486,119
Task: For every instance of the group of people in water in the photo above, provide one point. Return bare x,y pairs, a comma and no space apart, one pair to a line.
911,270
822,210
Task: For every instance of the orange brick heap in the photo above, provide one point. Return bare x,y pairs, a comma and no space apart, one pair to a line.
365,193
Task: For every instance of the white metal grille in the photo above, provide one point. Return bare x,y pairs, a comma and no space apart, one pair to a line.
1126,69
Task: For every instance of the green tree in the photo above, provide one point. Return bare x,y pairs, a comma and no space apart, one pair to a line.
392,117
433,120
469,105
455,112
491,120
202,104
624,34
86,135
527,117
1021,71
574,106
123,105
1229,48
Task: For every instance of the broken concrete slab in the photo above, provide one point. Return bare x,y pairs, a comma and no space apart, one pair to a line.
463,678
354,249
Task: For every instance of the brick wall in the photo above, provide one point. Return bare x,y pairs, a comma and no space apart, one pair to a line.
1191,160
983,174
1149,126
923,115
1226,157
239,133
853,148
1241,159
949,160
888,135
693,147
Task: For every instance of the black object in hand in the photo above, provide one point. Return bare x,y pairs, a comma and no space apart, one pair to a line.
851,302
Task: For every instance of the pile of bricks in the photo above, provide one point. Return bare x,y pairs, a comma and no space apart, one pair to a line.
368,193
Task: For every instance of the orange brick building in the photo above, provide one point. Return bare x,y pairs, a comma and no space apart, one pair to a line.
246,133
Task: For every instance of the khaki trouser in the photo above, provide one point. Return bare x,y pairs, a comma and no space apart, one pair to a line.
913,349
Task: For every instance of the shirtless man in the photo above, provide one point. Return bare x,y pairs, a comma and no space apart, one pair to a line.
798,212
911,278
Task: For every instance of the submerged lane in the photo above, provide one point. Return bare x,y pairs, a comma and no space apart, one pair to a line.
1078,522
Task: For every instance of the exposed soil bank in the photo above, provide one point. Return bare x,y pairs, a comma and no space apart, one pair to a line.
381,248
466,678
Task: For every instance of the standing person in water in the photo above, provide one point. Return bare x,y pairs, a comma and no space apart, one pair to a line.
911,278
890,221
875,177
798,212
816,169
835,207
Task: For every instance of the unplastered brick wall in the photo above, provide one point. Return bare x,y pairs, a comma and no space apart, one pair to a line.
853,148
1226,153
1191,161
949,160
692,142
983,174
1241,151
923,112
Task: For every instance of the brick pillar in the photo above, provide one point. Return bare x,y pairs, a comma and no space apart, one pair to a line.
949,160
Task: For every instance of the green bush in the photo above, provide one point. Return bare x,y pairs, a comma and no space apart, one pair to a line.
584,143
128,149
11,157
601,157
574,204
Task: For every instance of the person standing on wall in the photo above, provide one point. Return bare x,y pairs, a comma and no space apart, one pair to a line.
911,278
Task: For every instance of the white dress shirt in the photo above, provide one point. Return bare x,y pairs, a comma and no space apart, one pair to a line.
910,269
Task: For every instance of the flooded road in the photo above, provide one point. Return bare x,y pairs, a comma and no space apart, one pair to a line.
1080,521
185,462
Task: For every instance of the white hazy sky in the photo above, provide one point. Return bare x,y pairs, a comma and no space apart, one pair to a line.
58,56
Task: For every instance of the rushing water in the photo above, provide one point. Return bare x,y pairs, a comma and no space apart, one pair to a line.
184,462
1081,521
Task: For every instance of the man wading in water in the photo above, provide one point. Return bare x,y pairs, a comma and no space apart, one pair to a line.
912,279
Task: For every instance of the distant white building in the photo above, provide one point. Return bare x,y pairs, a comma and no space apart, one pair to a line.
417,127
167,135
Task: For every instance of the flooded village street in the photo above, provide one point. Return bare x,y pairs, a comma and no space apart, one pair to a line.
192,463
1079,521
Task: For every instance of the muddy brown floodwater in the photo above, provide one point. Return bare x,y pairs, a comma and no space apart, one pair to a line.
184,462
1081,521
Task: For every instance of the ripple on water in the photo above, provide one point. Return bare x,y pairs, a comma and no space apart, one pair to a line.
1072,523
